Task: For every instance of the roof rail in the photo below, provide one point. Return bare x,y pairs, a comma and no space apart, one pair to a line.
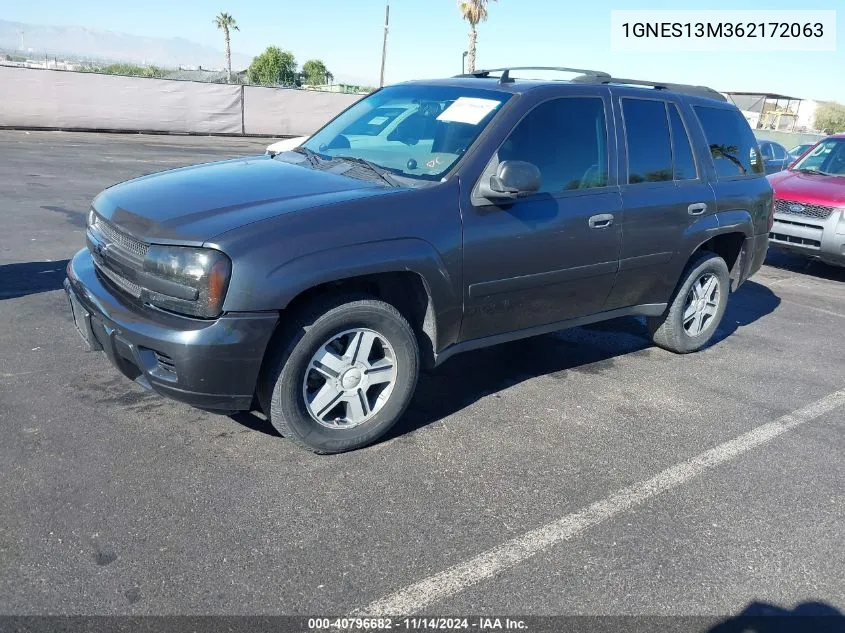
600,77
506,78
695,91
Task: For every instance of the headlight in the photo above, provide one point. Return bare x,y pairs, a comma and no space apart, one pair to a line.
92,217
190,280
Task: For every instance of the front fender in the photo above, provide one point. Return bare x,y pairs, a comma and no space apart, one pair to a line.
281,284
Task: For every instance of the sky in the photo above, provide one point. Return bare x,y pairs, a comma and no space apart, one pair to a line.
428,37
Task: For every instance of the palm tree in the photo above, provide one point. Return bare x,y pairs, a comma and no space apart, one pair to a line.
226,23
473,11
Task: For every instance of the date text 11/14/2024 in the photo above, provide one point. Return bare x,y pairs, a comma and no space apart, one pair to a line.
481,624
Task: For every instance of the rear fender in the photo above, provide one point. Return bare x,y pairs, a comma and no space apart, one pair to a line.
701,231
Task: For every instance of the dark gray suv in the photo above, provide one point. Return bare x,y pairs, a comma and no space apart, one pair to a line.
430,218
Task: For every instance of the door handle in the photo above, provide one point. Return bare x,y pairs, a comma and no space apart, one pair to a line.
697,208
601,221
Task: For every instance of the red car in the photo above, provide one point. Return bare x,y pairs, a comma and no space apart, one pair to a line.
810,203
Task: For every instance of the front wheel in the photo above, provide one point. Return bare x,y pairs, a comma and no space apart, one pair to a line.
344,375
697,307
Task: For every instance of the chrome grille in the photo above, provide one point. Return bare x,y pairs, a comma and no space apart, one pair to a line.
807,210
121,239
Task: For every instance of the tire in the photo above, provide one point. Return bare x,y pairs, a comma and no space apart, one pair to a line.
330,329
677,334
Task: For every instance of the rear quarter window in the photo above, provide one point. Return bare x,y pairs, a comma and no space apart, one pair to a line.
733,147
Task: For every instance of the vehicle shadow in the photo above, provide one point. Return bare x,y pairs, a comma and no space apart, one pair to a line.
593,349
748,304
28,278
761,617
803,265
255,421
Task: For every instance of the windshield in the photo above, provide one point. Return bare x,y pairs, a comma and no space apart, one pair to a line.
828,158
415,131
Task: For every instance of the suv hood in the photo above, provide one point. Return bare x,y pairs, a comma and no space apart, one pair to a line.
828,191
191,205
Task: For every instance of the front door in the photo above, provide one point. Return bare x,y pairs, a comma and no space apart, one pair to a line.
552,255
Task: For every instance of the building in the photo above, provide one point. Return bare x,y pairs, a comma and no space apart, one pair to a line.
770,111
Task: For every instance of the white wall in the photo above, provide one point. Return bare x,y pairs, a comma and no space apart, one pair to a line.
34,98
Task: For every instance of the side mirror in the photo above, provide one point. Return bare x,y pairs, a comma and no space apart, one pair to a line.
513,178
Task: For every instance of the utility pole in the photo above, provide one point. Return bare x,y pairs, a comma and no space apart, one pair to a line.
384,45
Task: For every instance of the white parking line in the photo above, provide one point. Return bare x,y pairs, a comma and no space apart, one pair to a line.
447,583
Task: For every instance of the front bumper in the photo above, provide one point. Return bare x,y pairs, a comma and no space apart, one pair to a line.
819,239
212,364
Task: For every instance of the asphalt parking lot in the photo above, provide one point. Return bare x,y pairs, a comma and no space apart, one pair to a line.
585,472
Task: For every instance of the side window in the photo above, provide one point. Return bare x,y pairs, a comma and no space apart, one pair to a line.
732,144
567,141
766,151
681,147
778,151
649,144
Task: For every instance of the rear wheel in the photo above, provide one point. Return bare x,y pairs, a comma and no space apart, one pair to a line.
697,307
343,376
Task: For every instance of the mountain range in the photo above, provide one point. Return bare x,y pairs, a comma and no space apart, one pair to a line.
108,46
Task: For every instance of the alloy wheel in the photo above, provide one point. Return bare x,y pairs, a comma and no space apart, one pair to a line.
349,378
702,304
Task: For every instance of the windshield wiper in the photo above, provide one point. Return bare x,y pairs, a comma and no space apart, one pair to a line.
379,171
312,156
811,170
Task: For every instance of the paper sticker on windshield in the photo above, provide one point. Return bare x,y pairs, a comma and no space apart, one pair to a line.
468,110
379,120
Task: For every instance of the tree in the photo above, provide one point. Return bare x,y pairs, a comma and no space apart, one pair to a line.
274,66
474,12
130,70
830,117
226,23
315,72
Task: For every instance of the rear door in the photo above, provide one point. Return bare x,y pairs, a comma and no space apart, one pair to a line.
664,191
552,255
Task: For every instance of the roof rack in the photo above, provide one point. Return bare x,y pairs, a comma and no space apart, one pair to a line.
505,78
695,91
600,77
